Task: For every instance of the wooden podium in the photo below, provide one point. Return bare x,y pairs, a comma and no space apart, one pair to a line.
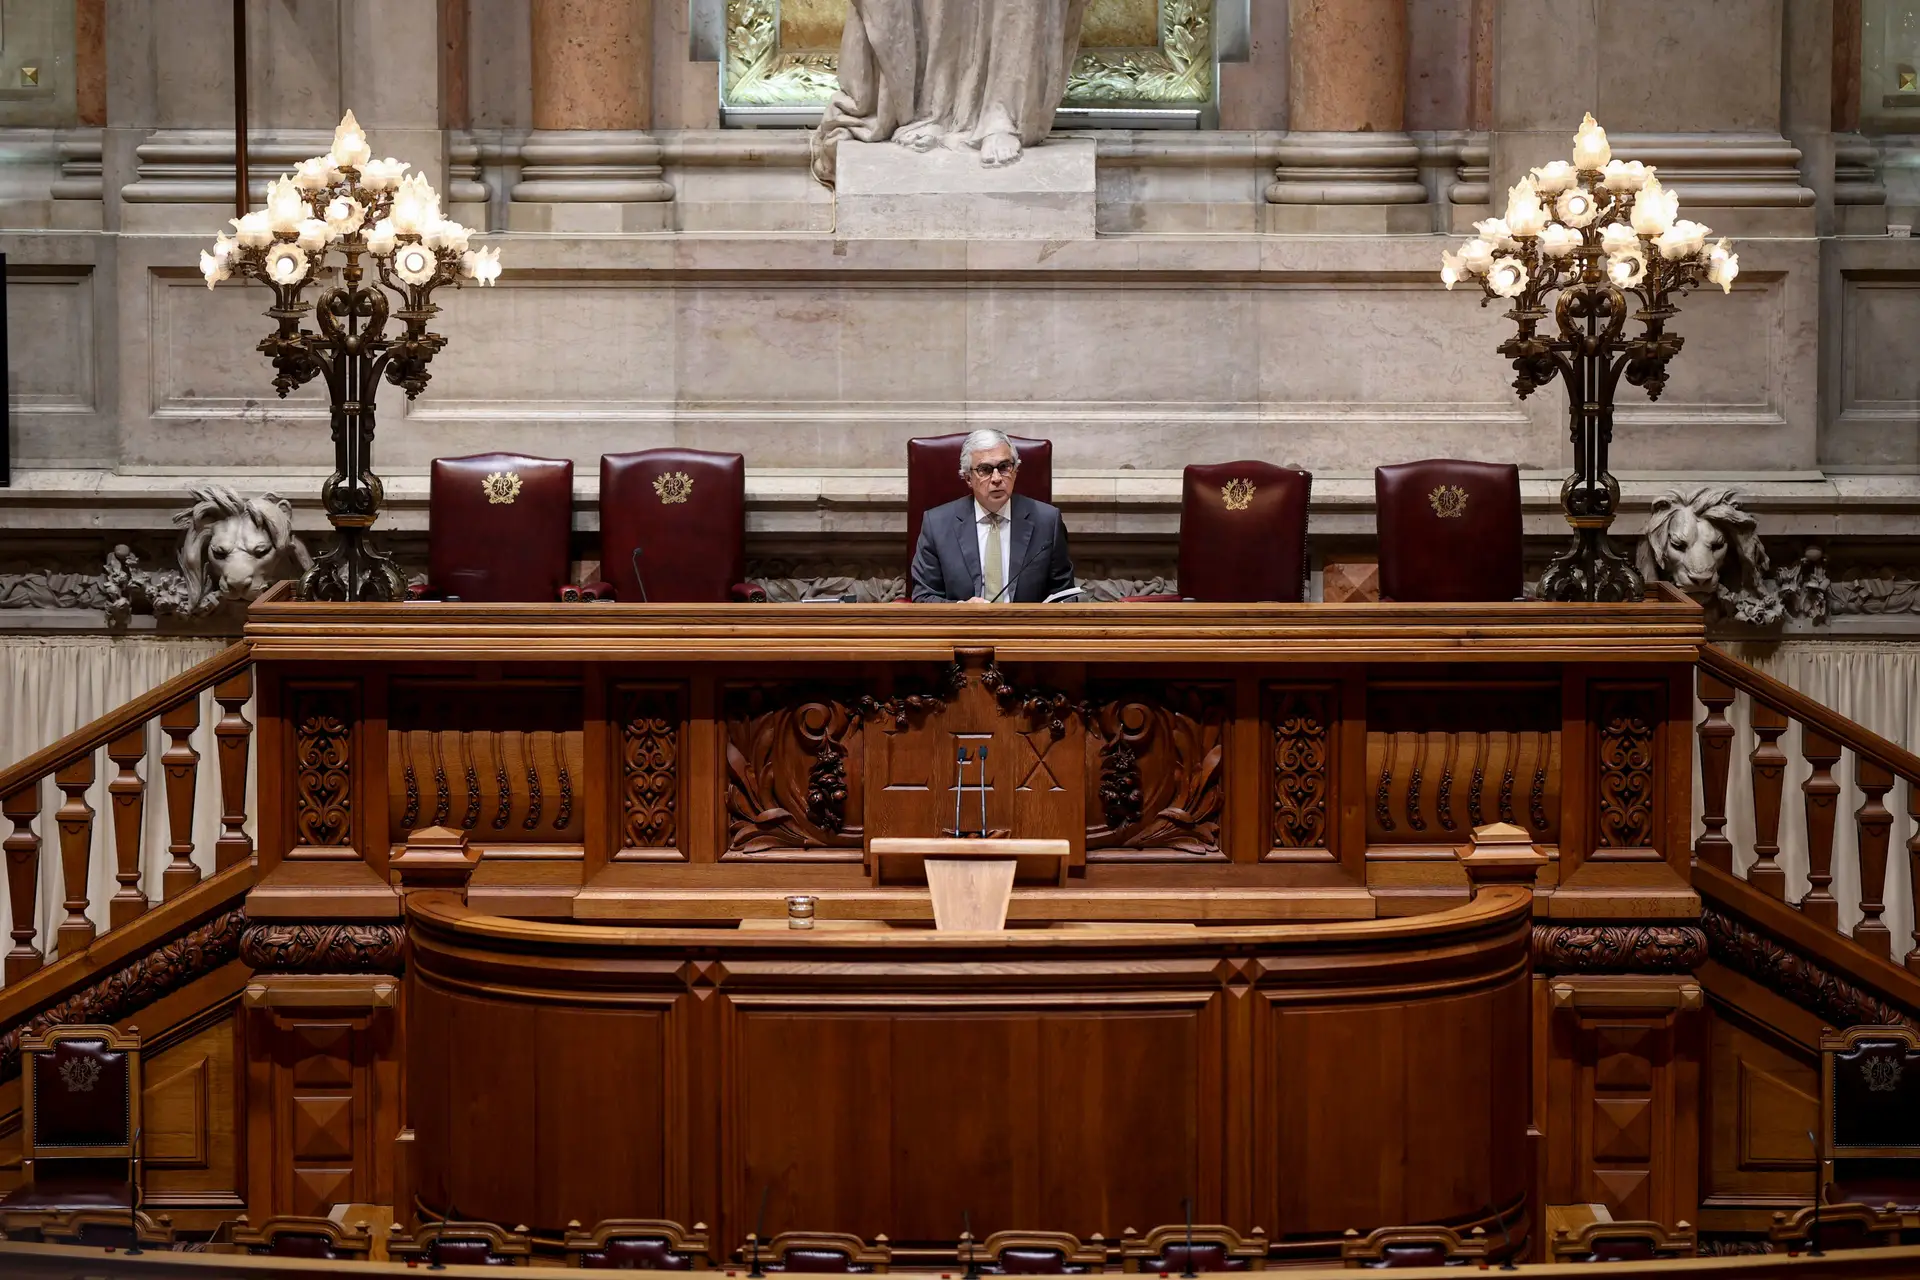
971,878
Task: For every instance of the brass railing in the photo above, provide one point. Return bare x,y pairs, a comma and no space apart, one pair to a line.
72,763
1825,735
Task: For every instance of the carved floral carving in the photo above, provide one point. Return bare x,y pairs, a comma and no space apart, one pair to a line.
1740,947
1627,722
1049,707
649,720
322,757
1618,948
1160,781
133,986
787,770
324,948
1302,733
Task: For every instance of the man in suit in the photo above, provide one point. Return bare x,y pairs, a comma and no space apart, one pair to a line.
992,546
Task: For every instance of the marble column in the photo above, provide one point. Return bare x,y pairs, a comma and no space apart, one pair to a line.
590,165
79,195
1347,162
1859,196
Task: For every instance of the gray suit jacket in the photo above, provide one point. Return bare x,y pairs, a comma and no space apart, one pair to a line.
946,563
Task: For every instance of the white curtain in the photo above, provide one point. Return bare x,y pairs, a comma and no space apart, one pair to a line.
1876,684
50,686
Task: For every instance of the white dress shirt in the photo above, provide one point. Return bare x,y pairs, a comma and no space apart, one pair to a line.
980,527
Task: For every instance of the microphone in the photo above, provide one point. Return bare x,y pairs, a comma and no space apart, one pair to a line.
759,1225
966,1236
983,788
638,579
1013,577
959,789
1819,1189
1186,1203
1506,1238
133,1198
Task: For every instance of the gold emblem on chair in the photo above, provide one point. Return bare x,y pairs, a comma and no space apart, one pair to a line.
673,487
1237,494
501,488
79,1074
1449,501
1881,1074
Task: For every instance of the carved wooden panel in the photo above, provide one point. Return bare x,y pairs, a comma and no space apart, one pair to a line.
1443,760
646,719
322,1109
503,762
1156,769
1627,762
1762,1099
794,757
1301,720
322,717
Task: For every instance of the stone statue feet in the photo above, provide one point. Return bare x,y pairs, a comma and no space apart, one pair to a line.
998,149
922,135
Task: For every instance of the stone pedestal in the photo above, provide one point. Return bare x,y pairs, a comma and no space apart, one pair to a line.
1327,181
884,191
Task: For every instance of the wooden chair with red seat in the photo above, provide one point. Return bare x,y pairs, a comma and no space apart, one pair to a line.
498,527
463,1244
1449,531
1394,1248
1622,1241
1036,1253
818,1253
673,526
1869,1135
1171,1249
107,1229
292,1236
1838,1226
933,478
637,1244
79,1125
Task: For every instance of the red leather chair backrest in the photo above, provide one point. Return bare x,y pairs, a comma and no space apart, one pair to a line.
1449,530
933,476
81,1097
1243,532
498,526
685,510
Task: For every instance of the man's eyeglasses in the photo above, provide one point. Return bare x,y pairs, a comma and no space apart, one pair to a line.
987,470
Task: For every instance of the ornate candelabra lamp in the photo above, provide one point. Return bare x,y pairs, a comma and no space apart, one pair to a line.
1591,231
372,216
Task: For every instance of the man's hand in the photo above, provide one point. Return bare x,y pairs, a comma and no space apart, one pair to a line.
975,600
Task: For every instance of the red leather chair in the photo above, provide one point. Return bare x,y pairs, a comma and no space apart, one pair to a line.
636,1244
1243,532
1449,530
685,512
298,1237
454,1244
498,526
933,477
80,1124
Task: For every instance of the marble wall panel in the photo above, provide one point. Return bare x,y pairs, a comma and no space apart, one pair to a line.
1879,382
1707,65
52,367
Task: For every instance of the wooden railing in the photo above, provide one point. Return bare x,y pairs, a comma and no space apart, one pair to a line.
72,763
1825,735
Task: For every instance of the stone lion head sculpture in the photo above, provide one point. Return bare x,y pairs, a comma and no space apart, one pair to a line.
234,547
1700,540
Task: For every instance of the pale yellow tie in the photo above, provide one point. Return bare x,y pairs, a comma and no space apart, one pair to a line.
995,575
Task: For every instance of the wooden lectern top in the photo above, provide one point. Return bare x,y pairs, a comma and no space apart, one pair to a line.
902,859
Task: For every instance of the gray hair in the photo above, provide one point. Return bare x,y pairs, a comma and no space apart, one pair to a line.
979,442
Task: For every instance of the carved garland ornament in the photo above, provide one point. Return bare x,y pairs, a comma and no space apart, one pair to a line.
1739,947
1618,948
1161,782
324,948
132,987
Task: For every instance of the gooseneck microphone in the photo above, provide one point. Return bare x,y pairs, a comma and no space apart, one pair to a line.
637,578
759,1225
959,788
983,789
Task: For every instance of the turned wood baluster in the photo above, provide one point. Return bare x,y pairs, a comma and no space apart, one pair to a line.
1913,870
231,735
1874,822
1716,761
182,764
128,792
1769,765
75,820
23,878
1821,794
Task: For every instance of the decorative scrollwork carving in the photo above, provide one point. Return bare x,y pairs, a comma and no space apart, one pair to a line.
135,985
789,766
1740,947
1626,760
649,720
904,704
322,754
1161,778
1301,762
324,948
1618,948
